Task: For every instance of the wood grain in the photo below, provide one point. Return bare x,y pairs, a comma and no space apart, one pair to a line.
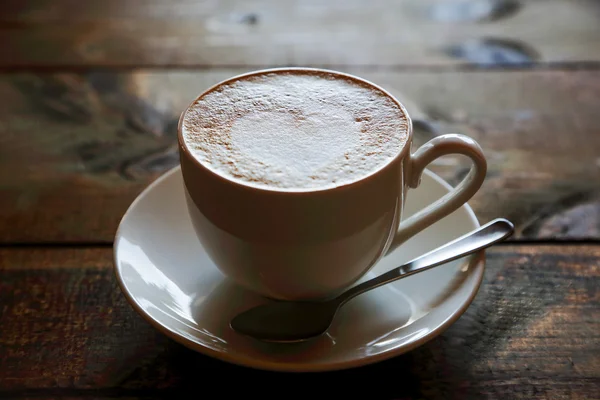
298,32
533,332
76,149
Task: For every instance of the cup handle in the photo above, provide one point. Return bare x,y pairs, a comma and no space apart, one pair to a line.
437,147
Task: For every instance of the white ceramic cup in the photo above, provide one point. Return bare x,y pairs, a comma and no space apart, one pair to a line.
313,244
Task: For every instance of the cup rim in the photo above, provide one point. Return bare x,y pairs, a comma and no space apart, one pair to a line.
184,151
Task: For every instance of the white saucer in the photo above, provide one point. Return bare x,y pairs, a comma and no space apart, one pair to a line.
168,278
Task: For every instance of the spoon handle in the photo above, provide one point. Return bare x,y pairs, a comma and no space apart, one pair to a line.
486,235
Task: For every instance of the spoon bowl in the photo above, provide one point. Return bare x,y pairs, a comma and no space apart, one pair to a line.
286,322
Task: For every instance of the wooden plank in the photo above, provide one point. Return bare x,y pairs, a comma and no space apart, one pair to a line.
298,32
533,332
76,149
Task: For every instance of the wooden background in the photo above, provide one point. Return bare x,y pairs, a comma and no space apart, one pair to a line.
90,95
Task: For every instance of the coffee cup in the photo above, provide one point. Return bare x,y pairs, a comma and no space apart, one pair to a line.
296,178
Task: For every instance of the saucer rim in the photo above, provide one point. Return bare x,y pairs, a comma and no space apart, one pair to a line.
477,261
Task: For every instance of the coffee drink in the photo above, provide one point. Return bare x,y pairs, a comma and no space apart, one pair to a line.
294,129
296,179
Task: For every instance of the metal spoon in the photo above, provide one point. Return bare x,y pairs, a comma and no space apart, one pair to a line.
286,321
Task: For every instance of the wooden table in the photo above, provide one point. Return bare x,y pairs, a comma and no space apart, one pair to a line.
91,92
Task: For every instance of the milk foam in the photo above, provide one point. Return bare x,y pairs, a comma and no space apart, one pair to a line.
294,130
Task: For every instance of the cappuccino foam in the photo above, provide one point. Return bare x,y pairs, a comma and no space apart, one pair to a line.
294,129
